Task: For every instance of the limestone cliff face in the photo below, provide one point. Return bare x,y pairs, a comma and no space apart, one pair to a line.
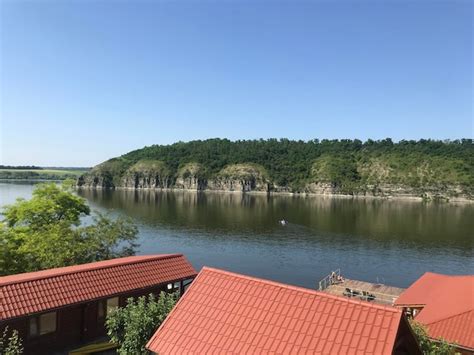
94,181
154,174
241,178
103,176
329,175
379,190
147,174
322,188
374,178
191,177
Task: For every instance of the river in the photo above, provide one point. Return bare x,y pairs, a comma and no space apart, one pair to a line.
387,241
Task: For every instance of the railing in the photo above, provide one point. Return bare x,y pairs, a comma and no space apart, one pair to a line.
327,281
371,295
357,292
378,296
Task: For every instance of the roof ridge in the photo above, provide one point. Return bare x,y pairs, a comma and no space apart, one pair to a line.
80,268
303,289
448,276
175,307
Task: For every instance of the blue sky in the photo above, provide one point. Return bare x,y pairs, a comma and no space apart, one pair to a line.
83,81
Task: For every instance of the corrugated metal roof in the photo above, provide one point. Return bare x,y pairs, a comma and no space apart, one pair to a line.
33,292
224,312
448,306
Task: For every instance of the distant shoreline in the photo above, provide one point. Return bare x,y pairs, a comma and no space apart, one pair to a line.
30,180
451,200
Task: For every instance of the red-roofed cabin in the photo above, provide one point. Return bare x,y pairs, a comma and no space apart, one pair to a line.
445,305
223,312
58,309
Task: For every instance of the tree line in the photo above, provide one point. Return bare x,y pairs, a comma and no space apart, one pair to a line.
352,164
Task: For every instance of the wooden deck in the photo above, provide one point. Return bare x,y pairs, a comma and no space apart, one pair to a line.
383,294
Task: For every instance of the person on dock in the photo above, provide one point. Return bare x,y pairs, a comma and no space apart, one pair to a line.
336,279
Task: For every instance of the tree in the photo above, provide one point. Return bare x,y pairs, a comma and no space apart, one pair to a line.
429,346
10,344
132,326
350,163
50,204
47,231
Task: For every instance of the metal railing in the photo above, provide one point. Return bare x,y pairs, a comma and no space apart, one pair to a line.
327,281
378,296
363,294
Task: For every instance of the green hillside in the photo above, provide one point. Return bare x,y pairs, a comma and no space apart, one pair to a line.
349,166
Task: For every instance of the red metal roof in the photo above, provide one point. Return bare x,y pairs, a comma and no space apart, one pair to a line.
39,291
448,306
223,312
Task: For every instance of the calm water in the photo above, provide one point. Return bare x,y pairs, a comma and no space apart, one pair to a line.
389,241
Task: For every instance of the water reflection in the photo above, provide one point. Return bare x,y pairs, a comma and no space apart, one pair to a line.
226,212
395,241
391,241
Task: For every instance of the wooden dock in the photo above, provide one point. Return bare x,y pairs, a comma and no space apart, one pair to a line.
378,293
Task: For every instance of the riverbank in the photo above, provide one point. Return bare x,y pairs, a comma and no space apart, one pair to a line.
414,198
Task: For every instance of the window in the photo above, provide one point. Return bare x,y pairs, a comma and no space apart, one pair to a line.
112,303
104,307
47,323
173,286
42,324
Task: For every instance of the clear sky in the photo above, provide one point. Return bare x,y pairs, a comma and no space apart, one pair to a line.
83,81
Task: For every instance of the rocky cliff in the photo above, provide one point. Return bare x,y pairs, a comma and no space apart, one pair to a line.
154,174
191,176
241,178
147,174
372,177
409,169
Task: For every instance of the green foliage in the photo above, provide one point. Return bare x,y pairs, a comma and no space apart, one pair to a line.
150,166
51,204
429,346
46,232
35,173
10,344
192,169
339,170
112,170
132,326
348,164
243,171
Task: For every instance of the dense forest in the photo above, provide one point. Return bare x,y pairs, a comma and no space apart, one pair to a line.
346,166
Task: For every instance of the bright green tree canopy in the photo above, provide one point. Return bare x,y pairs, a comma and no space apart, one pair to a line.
46,231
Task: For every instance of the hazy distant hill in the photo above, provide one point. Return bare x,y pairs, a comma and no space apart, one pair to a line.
424,168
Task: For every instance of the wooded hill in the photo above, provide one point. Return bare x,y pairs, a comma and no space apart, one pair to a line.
328,166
